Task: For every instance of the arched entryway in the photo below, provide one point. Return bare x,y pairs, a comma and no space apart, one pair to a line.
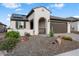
42,26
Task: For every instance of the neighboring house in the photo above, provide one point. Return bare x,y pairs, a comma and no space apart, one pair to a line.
2,27
39,21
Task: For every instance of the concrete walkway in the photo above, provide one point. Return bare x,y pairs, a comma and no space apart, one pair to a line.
1,53
70,53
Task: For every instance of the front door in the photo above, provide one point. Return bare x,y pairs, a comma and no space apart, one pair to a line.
42,27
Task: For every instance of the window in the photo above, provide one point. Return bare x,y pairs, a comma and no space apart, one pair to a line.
20,24
72,27
31,24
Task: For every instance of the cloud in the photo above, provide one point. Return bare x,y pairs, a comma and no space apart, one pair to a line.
76,16
8,17
56,5
48,7
18,9
59,5
11,5
29,3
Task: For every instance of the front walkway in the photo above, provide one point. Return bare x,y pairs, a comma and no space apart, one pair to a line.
70,53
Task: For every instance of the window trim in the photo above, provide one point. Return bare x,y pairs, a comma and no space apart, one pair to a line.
18,25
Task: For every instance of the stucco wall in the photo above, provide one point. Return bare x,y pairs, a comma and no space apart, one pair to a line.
21,31
1,26
75,26
31,16
13,24
41,12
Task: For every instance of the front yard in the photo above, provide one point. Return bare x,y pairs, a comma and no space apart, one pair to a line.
42,46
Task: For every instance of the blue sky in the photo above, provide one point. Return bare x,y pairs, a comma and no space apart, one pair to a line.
57,9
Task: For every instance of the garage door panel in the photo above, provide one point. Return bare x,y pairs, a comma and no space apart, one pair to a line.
59,27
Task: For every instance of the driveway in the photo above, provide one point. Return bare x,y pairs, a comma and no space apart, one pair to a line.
74,36
70,53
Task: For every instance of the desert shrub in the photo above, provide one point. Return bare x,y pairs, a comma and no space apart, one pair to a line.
27,34
9,44
11,39
51,34
67,38
12,34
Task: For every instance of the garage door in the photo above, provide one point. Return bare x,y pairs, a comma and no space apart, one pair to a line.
59,27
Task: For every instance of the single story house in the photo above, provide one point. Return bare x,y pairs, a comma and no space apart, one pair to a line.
39,21
2,27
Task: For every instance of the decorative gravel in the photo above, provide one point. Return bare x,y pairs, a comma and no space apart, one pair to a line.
42,46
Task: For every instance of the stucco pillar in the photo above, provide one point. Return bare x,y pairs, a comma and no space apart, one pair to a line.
48,26
68,27
36,27
77,26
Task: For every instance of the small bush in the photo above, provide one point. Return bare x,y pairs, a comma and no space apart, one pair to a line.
27,34
12,38
51,34
67,38
12,34
9,44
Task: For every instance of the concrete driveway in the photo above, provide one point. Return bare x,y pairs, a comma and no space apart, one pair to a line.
74,36
70,53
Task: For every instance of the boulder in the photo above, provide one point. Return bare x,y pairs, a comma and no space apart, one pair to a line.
59,40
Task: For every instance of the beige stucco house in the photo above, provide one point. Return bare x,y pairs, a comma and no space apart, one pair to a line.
39,21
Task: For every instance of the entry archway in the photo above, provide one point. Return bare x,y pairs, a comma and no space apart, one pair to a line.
42,25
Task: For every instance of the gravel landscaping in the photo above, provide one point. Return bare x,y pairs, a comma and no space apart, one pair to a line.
42,46
73,35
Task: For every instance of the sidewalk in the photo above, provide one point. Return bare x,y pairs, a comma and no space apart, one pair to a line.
70,53
1,53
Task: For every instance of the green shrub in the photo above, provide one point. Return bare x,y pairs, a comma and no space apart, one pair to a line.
9,44
12,34
51,34
11,39
67,38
